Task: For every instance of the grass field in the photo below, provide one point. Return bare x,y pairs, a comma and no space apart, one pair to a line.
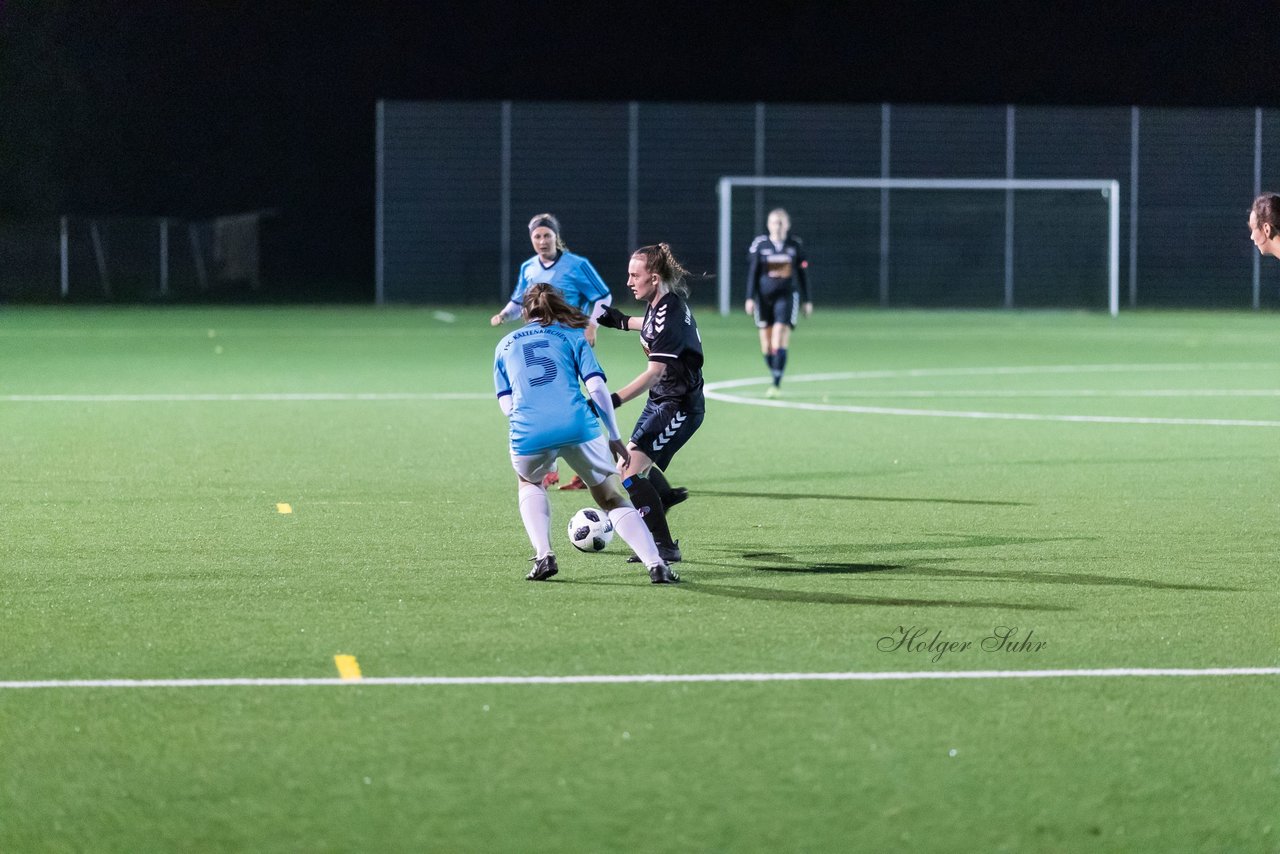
1108,488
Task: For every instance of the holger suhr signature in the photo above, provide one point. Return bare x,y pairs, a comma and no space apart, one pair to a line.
931,642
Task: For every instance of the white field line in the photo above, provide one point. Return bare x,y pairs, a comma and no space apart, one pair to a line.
998,416
625,679
927,394
885,329
714,391
272,397
232,332
1016,370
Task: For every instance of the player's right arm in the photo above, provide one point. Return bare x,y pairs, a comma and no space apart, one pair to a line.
641,384
501,383
603,401
614,319
753,276
509,311
802,278
515,305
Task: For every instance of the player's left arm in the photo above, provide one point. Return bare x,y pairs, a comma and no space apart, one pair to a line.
802,279
595,293
597,309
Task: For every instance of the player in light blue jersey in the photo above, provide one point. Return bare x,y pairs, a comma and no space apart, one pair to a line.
553,263
538,371
572,275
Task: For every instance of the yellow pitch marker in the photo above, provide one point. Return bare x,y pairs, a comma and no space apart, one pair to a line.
348,667
284,508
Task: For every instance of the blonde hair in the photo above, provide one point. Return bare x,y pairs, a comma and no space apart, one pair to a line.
545,304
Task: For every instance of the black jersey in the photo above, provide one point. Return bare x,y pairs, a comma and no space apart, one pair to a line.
670,336
773,272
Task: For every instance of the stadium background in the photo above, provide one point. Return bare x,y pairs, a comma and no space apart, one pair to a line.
208,492
196,111
442,196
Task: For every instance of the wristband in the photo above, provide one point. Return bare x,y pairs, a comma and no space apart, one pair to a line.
617,401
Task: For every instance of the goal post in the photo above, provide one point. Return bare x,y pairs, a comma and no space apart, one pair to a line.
1109,188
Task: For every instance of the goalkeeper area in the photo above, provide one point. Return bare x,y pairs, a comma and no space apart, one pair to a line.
937,242
986,580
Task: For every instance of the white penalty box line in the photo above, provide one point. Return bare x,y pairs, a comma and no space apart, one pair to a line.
652,678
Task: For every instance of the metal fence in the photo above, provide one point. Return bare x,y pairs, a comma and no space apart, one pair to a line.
456,182
130,259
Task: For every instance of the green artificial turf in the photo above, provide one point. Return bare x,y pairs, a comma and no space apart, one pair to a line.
142,540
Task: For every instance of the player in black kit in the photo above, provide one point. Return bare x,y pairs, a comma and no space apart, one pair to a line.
673,379
777,284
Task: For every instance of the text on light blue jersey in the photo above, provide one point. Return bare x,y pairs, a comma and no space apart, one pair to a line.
571,274
542,368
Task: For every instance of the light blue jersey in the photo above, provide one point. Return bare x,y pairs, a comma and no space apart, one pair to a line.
571,274
542,367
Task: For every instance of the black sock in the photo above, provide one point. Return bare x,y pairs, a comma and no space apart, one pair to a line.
779,365
768,361
646,500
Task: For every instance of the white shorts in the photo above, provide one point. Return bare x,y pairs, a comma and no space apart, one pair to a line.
592,461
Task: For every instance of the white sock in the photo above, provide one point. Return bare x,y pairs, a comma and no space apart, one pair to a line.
535,510
631,527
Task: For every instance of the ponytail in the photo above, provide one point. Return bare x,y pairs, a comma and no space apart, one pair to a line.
545,305
659,260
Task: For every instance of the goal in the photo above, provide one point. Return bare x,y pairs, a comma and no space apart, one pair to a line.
972,242
123,258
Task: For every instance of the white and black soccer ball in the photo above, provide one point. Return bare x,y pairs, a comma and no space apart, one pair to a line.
590,530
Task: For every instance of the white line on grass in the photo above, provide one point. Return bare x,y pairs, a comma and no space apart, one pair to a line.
274,332
623,679
929,394
1014,370
715,391
186,398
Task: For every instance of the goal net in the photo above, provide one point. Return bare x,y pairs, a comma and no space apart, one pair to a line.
935,242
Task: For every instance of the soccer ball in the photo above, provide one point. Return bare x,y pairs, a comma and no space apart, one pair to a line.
590,530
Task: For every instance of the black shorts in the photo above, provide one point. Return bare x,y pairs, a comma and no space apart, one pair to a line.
782,308
663,429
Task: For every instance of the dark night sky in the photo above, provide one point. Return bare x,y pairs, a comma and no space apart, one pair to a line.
196,108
